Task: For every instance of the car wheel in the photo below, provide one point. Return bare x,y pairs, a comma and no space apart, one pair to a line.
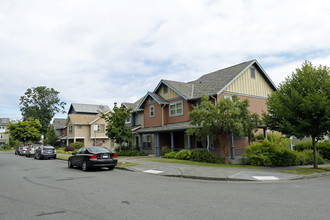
111,168
70,164
84,166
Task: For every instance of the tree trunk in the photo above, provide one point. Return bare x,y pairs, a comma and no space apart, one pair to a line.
315,153
225,140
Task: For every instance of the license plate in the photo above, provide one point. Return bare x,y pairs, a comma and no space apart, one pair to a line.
105,156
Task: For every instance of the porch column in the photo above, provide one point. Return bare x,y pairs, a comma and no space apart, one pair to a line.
141,143
172,141
157,145
232,147
189,143
265,132
208,143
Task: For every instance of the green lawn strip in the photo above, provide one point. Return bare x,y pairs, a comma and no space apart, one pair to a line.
188,162
65,157
307,171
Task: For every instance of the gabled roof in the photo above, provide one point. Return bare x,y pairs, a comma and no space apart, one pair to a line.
76,108
81,119
213,83
134,106
160,100
59,123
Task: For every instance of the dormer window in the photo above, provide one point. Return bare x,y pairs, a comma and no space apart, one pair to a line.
165,89
151,111
253,73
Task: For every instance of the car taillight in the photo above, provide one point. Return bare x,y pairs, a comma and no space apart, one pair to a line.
54,151
114,156
94,156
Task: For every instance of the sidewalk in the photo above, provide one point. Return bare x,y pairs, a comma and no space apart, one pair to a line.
214,173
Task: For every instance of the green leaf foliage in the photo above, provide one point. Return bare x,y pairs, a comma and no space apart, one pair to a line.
77,145
41,103
116,124
228,116
301,106
25,131
51,137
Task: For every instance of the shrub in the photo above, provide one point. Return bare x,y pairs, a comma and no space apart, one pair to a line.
183,155
170,155
130,153
307,157
165,150
201,155
77,145
69,148
322,147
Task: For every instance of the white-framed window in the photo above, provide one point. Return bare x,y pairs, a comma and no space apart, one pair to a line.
2,128
227,97
70,129
151,111
2,136
100,128
147,142
176,108
128,120
253,73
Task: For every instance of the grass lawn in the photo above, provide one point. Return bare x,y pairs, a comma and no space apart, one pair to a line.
307,171
203,164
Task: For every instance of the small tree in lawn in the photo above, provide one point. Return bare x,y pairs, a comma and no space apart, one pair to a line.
301,106
25,131
51,137
116,125
228,116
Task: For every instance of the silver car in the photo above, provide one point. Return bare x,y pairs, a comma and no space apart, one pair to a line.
22,151
31,150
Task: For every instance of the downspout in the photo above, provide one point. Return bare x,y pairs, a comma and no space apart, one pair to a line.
215,100
163,114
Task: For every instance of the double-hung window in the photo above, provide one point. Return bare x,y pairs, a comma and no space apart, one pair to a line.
146,142
176,109
152,111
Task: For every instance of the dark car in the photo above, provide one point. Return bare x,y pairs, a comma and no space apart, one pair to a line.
93,157
45,152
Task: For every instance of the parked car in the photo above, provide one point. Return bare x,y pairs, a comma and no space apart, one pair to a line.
31,150
18,149
22,151
93,157
45,152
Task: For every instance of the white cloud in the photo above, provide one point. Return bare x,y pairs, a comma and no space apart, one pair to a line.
106,51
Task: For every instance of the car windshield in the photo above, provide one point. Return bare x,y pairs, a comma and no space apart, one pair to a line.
48,148
96,150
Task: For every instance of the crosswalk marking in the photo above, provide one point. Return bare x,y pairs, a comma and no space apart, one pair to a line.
265,177
153,171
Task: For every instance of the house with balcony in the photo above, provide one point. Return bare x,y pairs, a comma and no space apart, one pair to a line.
4,136
166,109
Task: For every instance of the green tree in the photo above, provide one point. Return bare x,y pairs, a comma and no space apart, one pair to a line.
116,128
51,137
227,117
301,106
25,131
41,103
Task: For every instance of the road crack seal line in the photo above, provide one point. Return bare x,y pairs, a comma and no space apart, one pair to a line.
44,185
51,213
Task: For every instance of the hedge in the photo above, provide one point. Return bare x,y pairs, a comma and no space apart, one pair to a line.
322,147
198,155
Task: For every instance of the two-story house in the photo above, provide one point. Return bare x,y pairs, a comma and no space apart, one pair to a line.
166,109
84,124
59,127
4,136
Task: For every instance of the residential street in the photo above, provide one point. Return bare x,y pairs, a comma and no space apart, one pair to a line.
47,189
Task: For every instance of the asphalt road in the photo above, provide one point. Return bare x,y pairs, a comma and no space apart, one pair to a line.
47,189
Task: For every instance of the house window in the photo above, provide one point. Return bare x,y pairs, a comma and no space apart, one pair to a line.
100,128
176,109
165,89
253,73
70,129
152,111
2,128
80,126
228,97
146,142
2,136
128,120
201,143
137,119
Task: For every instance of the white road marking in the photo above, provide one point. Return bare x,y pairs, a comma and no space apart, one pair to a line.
265,177
153,171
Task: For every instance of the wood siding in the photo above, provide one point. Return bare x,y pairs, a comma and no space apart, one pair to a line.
244,84
171,94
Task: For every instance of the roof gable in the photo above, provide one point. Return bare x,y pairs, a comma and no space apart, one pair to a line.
76,108
160,100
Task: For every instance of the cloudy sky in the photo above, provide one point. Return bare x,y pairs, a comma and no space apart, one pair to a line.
106,51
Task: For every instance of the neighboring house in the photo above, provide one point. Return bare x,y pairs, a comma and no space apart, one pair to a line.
82,128
87,109
136,121
4,136
59,127
166,109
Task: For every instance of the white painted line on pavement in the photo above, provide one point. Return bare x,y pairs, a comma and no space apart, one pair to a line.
153,171
265,177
